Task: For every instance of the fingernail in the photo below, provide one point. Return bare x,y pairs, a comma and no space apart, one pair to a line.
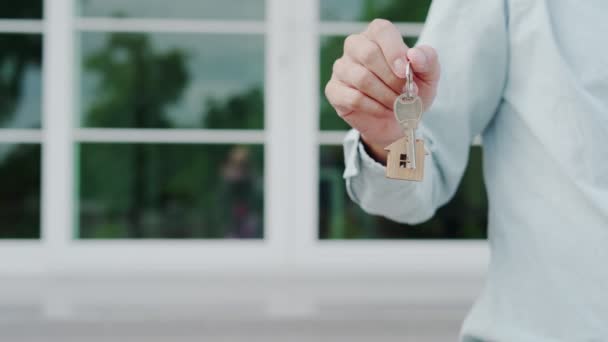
419,58
399,67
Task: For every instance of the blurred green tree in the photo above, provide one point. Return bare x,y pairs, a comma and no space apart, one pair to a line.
23,9
395,10
20,192
18,52
136,86
19,164
165,191
239,111
136,83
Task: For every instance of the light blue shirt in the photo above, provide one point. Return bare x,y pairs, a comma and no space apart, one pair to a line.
530,77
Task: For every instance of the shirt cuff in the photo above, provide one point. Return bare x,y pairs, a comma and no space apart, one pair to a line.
357,159
360,168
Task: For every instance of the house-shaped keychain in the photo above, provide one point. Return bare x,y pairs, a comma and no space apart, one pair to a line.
398,160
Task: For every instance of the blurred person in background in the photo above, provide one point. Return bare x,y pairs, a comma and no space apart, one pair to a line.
241,194
531,78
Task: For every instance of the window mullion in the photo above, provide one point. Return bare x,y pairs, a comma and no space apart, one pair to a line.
280,111
58,100
306,124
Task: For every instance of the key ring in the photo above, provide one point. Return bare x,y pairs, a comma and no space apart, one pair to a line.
409,82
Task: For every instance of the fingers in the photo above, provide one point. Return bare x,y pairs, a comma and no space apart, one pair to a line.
362,113
370,75
425,64
358,77
377,131
361,49
347,100
388,38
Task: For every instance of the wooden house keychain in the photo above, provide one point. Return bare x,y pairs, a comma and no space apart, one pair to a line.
406,156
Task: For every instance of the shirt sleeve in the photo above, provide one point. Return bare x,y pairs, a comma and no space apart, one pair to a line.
471,40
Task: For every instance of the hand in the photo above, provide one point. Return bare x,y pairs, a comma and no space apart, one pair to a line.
371,74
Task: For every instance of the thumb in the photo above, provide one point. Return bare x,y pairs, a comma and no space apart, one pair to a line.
425,63
386,35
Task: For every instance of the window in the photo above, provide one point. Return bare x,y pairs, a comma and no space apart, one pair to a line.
159,67
154,135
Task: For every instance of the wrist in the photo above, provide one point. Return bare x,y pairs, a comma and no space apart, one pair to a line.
376,152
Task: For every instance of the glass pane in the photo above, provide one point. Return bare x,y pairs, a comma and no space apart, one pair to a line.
165,80
19,191
187,9
366,10
20,80
171,191
464,217
331,49
21,9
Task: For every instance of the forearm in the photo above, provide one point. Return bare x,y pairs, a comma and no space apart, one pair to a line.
376,152
469,94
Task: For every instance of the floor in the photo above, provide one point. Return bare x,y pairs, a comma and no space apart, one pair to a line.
223,308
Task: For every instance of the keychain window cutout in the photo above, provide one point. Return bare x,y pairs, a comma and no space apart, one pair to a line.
394,163
403,160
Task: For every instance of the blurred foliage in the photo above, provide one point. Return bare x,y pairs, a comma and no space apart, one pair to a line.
464,217
22,9
182,9
237,112
136,83
164,191
393,10
19,163
18,53
183,81
19,191
189,191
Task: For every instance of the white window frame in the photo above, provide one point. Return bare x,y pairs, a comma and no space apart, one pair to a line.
291,139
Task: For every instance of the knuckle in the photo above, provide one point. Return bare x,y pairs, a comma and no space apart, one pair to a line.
329,91
379,25
355,100
326,91
369,53
337,66
350,42
343,111
361,78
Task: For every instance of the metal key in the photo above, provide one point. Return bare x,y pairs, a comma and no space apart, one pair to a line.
408,111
